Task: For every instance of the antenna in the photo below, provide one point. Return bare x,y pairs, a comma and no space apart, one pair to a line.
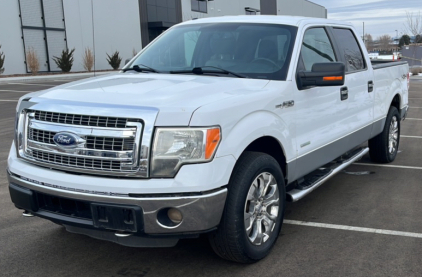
93,31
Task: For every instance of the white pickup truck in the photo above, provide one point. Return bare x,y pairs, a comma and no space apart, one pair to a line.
209,129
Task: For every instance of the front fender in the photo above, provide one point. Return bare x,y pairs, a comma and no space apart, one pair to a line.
252,127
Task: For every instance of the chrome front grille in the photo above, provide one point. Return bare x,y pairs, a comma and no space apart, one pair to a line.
114,144
76,162
97,143
81,120
104,145
41,136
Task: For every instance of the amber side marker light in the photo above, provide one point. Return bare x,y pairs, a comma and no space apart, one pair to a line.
213,138
333,78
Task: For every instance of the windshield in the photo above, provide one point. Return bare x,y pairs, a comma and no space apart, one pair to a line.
260,51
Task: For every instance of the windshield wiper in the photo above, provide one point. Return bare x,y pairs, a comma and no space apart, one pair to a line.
138,68
201,70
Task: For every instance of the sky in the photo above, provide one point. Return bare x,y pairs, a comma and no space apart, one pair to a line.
380,16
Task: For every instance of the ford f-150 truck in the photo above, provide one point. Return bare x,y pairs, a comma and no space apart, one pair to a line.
211,128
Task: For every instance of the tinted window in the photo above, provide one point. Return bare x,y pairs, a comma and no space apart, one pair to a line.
199,6
259,51
316,48
349,49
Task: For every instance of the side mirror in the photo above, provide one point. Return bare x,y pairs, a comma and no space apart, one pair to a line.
322,75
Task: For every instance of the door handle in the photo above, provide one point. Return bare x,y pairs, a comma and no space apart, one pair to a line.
370,86
344,93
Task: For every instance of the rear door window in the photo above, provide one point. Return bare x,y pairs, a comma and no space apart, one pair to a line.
349,49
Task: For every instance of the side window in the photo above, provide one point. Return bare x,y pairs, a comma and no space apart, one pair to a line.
316,48
349,49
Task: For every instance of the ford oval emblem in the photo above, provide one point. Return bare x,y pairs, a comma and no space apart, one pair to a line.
66,140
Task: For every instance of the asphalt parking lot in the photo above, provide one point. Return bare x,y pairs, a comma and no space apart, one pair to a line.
366,221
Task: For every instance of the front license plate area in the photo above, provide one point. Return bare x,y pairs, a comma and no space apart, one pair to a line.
120,218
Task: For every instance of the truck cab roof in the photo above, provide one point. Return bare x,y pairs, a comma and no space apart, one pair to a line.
269,19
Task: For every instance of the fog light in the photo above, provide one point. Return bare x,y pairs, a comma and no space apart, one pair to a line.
169,218
175,215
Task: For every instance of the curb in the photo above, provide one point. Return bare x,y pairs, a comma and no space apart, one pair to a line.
24,79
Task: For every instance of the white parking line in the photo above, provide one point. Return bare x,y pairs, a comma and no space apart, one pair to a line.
9,100
413,118
411,137
355,229
8,90
73,79
26,84
389,165
415,107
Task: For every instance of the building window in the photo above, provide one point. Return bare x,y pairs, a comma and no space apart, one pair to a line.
43,30
199,6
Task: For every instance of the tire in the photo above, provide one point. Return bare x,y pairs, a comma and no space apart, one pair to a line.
383,148
249,240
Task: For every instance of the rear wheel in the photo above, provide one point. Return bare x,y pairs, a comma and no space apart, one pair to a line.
383,148
254,210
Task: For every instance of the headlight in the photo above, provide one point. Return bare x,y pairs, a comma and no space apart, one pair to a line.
177,146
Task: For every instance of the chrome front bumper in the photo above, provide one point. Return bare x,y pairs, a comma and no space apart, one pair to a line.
201,212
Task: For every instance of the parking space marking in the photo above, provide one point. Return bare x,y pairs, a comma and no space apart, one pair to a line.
70,80
26,84
410,137
355,229
389,165
8,100
8,90
413,118
415,107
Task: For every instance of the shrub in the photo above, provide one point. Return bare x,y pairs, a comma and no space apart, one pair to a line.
65,61
88,59
2,57
32,60
114,60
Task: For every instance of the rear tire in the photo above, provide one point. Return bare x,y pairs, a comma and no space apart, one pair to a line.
254,210
383,148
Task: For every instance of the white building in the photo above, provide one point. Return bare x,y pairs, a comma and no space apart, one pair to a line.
106,26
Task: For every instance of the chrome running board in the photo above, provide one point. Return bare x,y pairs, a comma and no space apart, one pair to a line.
315,179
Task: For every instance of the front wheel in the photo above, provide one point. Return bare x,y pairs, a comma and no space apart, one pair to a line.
254,210
384,147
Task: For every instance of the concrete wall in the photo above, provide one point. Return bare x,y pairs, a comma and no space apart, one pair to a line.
219,8
116,27
10,37
301,8
237,7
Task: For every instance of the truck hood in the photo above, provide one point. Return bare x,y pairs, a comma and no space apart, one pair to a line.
175,96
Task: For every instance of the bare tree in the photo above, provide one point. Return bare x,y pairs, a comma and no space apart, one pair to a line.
88,59
369,42
32,60
385,41
413,23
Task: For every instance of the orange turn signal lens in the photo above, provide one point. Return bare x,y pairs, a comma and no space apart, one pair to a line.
333,78
213,138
